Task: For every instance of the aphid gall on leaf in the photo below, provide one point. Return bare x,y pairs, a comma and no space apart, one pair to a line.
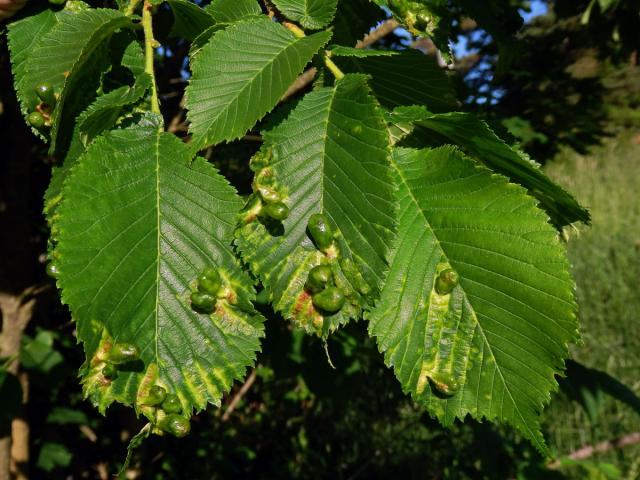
268,194
110,371
171,404
319,277
444,384
203,302
208,284
36,119
176,425
46,93
123,353
277,211
155,396
447,281
320,231
329,300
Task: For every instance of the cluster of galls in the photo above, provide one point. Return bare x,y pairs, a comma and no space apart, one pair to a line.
210,288
171,420
41,116
119,354
416,15
267,203
325,295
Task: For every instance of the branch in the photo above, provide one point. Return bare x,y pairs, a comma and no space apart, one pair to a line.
238,396
589,450
384,29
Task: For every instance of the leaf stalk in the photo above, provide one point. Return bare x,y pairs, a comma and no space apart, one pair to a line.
333,68
149,44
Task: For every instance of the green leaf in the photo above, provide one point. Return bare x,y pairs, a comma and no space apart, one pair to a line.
137,224
230,11
502,333
66,416
189,19
38,353
53,455
240,75
312,14
477,138
78,43
133,58
23,36
340,51
410,78
107,109
330,156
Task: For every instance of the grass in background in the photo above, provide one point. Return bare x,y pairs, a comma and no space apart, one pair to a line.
606,264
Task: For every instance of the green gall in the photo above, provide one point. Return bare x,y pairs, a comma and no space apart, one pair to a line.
110,371
278,211
123,353
319,277
268,195
212,273
444,384
155,396
176,425
45,92
329,300
207,284
446,281
171,404
320,231
203,302
36,119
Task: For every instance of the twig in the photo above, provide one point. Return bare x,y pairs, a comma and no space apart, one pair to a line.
384,29
589,450
149,44
302,81
238,396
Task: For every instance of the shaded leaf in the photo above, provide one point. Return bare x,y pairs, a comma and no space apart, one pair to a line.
190,20
410,78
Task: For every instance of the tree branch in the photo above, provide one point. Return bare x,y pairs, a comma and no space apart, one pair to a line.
590,450
238,396
384,29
